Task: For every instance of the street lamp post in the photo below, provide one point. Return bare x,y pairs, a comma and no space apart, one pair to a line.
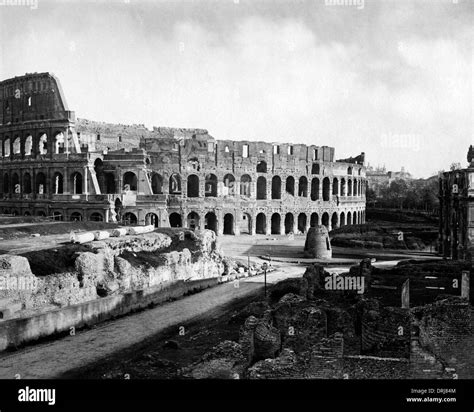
265,267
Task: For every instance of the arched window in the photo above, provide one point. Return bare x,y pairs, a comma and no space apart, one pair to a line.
157,184
59,143
27,183
58,183
276,187
326,189
245,182
315,188
303,187
43,144
130,182
76,183
6,148
175,184
262,167
229,185
290,185
17,145
28,145
261,188
40,183
211,185
193,186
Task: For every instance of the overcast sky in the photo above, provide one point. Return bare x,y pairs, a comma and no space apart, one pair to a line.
390,78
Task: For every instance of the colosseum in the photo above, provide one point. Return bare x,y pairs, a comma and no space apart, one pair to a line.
57,166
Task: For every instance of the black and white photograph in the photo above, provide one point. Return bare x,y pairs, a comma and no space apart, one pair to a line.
253,199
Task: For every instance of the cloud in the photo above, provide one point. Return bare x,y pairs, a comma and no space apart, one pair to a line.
333,78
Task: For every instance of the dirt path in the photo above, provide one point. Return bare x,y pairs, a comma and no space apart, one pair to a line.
49,360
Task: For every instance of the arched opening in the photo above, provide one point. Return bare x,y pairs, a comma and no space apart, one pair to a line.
228,224
16,183
175,185
27,213
303,187
289,223
76,183
58,183
193,221
261,188
335,187
157,184
229,185
40,183
96,217
76,217
354,218
59,143
40,213
302,218
17,145
210,222
27,183
175,220
152,219
326,189
245,225
349,218
334,223
325,220
6,183
43,144
129,218
276,221
130,182
262,167
6,148
315,188
315,169
261,224
343,187
276,187
290,185
342,219
314,221
354,187
193,186
211,185
28,145
349,170
245,181
349,187
57,216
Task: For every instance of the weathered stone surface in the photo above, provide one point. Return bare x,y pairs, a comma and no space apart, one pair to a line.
314,275
246,338
284,366
224,361
317,243
267,339
301,323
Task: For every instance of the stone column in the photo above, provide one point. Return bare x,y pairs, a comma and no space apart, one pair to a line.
86,181
268,228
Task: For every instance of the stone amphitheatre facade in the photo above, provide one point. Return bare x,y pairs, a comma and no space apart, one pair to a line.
55,165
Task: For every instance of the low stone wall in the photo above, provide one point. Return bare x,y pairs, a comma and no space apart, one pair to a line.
19,331
443,325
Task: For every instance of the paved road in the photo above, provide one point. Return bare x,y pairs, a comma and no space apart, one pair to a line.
49,360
